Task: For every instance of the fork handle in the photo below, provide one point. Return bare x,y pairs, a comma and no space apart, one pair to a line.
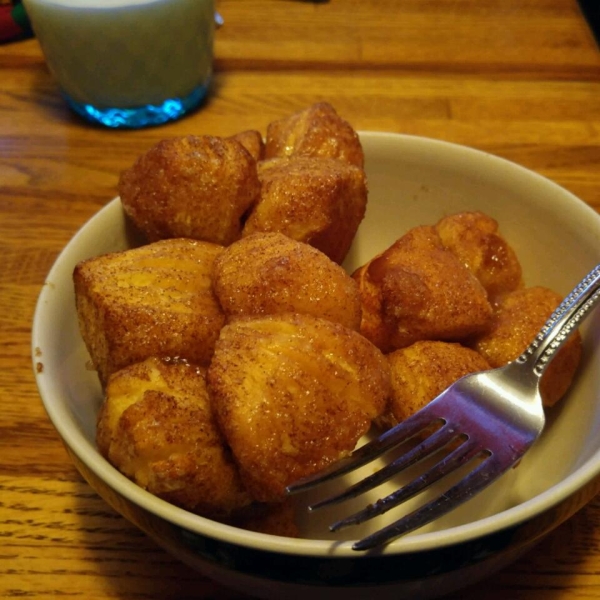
567,317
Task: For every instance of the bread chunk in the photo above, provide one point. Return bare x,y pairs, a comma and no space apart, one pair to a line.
269,273
157,426
315,131
422,371
516,322
253,142
293,393
474,238
156,300
319,201
418,290
196,187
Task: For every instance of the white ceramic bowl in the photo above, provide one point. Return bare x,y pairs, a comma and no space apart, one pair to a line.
412,181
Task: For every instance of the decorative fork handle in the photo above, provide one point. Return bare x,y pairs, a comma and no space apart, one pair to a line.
567,317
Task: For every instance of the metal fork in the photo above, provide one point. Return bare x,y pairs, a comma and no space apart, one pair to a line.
487,419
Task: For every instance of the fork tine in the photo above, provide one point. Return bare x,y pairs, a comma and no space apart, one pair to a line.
452,461
368,452
431,444
484,474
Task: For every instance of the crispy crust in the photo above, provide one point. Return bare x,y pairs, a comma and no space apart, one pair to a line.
319,201
268,273
315,131
418,290
253,142
197,187
156,300
157,426
293,394
424,370
474,238
516,322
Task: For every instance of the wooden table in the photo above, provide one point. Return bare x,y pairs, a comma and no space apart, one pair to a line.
518,78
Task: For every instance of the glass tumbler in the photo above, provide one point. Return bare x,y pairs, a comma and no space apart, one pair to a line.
127,63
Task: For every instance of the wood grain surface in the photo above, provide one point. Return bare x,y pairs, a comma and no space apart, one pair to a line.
518,78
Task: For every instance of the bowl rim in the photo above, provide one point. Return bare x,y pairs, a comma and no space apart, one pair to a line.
77,442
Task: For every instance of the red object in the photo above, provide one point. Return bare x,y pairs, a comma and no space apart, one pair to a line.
13,22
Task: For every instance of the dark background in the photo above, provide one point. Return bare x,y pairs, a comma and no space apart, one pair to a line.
591,10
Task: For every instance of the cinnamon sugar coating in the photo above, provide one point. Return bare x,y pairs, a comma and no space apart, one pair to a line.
516,322
196,187
293,394
156,300
158,427
316,131
418,290
269,273
319,201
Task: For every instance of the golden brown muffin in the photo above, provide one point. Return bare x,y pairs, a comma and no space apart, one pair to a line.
253,142
516,322
157,426
319,201
293,394
156,300
418,290
476,241
268,273
424,370
315,131
197,187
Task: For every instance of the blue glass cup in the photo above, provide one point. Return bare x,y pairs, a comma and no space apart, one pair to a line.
127,63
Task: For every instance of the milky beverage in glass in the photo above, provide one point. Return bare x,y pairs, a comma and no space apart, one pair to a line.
127,62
